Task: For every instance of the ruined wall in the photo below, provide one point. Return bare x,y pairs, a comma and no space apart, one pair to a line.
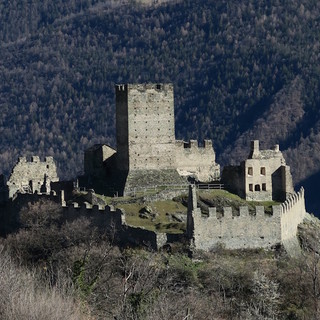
256,229
145,126
32,176
94,159
195,161
266,175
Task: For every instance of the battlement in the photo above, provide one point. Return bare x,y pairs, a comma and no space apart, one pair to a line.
32,175
292,201
35,159
243,212
192,144
244,228
144,86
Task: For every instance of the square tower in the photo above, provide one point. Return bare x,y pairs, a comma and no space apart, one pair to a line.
145,127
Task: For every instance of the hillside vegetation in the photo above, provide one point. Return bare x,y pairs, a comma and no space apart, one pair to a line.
55,269
241,70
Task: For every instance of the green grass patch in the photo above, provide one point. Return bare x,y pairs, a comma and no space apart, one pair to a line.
160,219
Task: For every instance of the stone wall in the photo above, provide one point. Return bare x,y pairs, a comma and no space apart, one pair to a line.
293,212
32,176
145,126
257,229
195,161
94,159
105,218
264,176
232,178
267,177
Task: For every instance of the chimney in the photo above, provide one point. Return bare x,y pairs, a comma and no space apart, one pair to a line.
254,152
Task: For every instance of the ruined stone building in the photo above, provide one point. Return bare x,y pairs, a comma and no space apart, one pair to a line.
32,176
264,176
147,152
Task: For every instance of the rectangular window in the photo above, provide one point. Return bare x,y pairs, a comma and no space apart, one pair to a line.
250,171
264,187
263,171
250,187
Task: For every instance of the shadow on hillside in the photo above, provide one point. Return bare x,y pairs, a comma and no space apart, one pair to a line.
312,192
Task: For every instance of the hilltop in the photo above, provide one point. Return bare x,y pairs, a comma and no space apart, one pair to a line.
239,70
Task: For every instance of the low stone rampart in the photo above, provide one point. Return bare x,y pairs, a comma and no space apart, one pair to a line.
105,218
258,229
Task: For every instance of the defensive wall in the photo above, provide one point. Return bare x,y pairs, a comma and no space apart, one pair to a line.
32,176
106,219
246,229
198,162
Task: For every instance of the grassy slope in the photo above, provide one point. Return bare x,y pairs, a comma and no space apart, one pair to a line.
164,215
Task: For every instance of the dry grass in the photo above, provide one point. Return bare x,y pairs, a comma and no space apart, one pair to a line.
23,298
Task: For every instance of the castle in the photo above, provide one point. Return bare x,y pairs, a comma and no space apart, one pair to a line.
147,154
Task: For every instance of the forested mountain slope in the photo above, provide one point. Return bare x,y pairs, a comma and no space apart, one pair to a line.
241,70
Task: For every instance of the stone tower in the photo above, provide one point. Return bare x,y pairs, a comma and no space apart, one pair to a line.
147,153
145,127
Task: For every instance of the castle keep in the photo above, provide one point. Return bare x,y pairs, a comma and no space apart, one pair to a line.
147,152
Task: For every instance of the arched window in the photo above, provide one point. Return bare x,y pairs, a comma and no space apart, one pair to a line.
257,187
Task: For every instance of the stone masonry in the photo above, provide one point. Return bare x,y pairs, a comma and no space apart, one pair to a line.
147,152
32,176
264,176
251,230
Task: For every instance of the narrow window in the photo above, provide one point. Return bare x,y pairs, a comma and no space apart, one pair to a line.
263,171
264,187
158,86
250,171
250,187
257,187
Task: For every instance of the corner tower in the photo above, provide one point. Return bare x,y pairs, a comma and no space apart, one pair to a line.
145,127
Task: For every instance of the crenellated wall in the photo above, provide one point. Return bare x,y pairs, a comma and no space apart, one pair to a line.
196,161
258,229
32,176
293,211
105,218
